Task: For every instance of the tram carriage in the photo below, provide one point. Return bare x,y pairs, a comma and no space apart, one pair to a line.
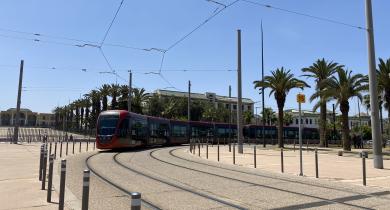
122,129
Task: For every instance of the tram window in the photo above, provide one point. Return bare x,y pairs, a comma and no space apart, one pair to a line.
138,129
179,130
123,127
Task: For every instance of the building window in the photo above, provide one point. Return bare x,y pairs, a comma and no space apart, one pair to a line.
311,122
307,121
227,106
234,106
249,107
296,121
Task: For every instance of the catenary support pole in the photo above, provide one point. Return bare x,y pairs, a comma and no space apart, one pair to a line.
44,169
281,160
316,161
230,118
254,157
375,123
130,91
18,102
300,141
262,89
189,111
239,96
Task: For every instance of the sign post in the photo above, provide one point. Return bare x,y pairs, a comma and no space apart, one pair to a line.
300,100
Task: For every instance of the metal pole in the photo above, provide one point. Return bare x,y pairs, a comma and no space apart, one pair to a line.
85,198
73,147
61,149
281,160
334,123
50,182
300,142
130,90
80,147
62,185
218,150
239,96
189,111
262,78
18,102
41,162
254,157
44,169
230,118
135,201
55,150
67,144
234,153
364,170
316,161
377,140
207,149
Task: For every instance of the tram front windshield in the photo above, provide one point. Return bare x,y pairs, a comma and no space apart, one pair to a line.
107,124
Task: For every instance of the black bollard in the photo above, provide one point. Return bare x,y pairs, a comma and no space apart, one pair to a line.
281,160
61,149
85,198
80,147
73,146
234,153
207,150
67,143
44,169
62,185
87,145
135,201
41,162
316,160
55,150
364,155
50,148
254,157
199,149
50,181
218,151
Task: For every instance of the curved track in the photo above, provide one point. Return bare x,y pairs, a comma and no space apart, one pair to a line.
145,203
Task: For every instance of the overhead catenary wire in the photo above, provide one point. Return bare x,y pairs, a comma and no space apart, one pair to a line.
111,23
304,14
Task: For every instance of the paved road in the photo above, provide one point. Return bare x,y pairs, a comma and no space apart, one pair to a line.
171,178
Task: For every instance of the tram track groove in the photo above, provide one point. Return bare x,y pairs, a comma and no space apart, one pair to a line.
115,157
145,203
252,183
279,178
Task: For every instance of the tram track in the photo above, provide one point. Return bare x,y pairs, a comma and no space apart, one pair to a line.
203,195
145,203
330,201
271,177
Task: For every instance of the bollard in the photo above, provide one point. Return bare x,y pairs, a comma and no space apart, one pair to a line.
55,150
87,145
85,197
135,201
316,160
50,182
67,143
207,150
44,165
281,160
230,147
364,155
80,147
94,142
199,149
62,185
41,163
218,151
61,149
73,147
254,157
50,149
234,153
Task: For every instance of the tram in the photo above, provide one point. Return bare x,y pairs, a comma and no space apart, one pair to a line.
123,129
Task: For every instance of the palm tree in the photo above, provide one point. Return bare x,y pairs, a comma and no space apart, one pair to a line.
114,92
123,97
139,97
269,116
319,71
280,83
247,115
383,75
343,88
105,92
94,97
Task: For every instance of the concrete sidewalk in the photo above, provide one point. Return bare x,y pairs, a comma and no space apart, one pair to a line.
19,184
332,167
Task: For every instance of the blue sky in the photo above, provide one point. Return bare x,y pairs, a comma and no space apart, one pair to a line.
291,41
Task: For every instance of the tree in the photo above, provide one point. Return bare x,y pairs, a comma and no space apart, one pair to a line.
269,116
287,119
114,92
342,88
104,92
319,71
123,97
383,75
139,96
280,82
247,117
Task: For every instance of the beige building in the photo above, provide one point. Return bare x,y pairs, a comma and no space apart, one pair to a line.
28,118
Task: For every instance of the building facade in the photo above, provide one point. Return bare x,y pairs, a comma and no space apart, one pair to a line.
310,119
218,101
28,118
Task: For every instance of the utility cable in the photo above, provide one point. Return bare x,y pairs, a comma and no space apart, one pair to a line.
112,22
304,14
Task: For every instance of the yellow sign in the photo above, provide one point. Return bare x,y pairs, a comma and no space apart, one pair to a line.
301,98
